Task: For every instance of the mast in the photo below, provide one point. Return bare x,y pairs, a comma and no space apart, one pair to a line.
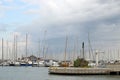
26,45
46,52
7,50
14,50
39,48
16,47
118,55
44,44
74,52
65,49
96,53
2,50
90,48
108,55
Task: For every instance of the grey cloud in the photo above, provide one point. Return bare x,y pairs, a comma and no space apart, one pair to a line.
3,27
77,18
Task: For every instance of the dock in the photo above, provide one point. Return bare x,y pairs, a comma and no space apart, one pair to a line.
83,71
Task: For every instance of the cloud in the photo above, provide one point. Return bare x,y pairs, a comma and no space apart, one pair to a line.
31,11
81,8
74,18
3,27
9,1
68,15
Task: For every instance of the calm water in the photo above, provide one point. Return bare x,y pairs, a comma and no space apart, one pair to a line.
41,73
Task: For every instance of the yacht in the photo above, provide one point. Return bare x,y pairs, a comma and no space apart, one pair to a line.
41,63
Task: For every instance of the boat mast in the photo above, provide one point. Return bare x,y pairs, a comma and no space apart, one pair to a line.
108,55
16,47
2,50
7,50
118,55
65,49
14,53
91,56
39,48
26,45
74,51
46,52
89,45
44,44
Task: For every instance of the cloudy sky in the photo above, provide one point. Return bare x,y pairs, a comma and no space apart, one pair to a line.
51,20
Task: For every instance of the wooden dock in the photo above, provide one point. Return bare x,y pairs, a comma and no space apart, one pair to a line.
83,71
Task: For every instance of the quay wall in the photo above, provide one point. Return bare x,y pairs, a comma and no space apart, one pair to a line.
82,71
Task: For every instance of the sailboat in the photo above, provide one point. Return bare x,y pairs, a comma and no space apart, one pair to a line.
2,54
65,63
26,62
14,62
41,63
17,63
4,62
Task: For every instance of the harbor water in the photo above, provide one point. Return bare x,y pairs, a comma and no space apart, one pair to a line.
41,73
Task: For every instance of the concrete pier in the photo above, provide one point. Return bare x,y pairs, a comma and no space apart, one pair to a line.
82,71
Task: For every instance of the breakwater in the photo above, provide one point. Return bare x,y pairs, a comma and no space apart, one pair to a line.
83,71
